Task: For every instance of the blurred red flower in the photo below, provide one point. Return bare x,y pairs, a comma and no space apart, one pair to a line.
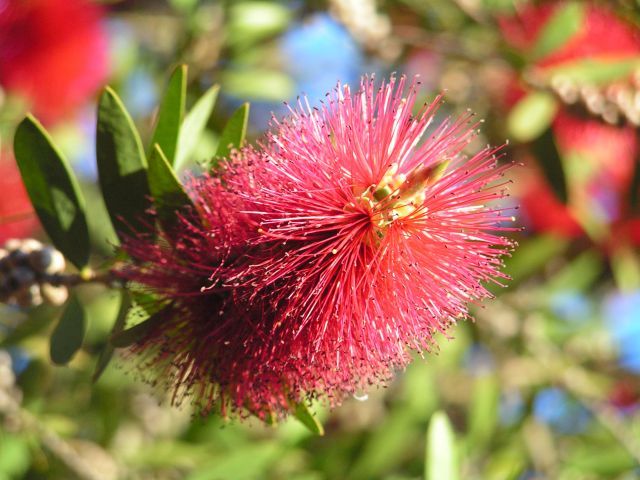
53,52
17,218
598,158
320,259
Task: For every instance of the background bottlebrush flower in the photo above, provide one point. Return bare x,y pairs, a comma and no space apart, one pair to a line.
350,236
598,158
53,52
17,218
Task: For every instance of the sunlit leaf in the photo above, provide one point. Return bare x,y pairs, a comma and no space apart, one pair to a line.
565,22
68,335
122,166
441,459
308,419
194,125
132,335
594,71
53,190
171,113
168,194
234,132
531,116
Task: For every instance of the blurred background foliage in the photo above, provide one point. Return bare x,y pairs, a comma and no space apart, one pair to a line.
543,385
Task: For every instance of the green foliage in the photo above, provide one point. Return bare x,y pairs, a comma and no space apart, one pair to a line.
551,164
53,190
308,419
167,192
171,114
122,165
565,23
441,460
194,125
531,116
234,131
68,335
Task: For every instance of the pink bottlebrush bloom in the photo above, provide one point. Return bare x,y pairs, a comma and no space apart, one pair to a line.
53,52
349,237
17,218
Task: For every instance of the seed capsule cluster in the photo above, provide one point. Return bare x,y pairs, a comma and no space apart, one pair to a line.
30,274
615,103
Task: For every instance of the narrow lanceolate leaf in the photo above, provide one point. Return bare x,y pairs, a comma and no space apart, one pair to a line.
128,337
68,335
122,166
194,125
564,24
53,189
441,459
171,113
166,190
234,131
550,161
308,419
107,352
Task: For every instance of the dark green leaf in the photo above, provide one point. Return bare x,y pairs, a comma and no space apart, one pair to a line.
634,189
171,113
122,166
308,419
107,352
53,190
441,459
549,160
132,335
194,124
531,116
67,337
234,131
564,24
166,190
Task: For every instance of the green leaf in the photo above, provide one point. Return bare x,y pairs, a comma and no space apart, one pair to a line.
634,189
549,160
441,450
531,116
53,190
107,352
532,255
132,335
68,335
194,125
564,24
308,419
594,71
234,131
167,191
258,84
171,113
483,410
122,166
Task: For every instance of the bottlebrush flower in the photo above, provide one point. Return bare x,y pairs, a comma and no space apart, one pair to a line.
598,158
317,261
53,52
17,218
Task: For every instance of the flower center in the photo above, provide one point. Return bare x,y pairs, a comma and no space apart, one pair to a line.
398,195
